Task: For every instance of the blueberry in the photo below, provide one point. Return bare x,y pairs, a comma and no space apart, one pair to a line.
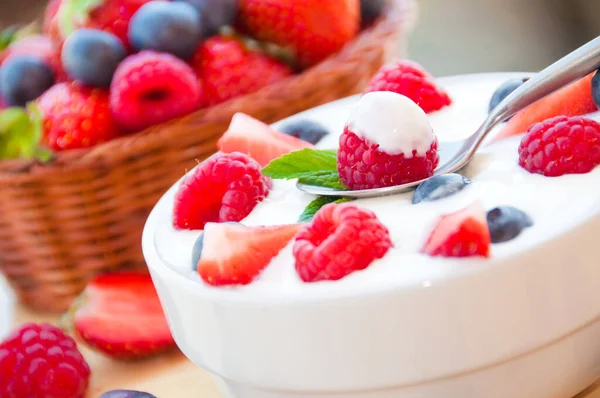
214,13
596,88
199,245
23,78
439,187
92,56
506,223
126,394
505,90
162,26
197,251
370,10
306,130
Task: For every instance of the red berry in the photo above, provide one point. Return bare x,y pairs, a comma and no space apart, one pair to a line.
228,70
257,140
561,145
341,239
574,99
76,117
464,233
313,29
361,165
112,16
234,254
151,88
120,315
225,187
41,361
411,80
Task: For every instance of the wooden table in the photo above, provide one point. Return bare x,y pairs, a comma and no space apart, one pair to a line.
162,376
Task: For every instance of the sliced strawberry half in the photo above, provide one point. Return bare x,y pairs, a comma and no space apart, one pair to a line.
461,234
572,100
120,315
258,140
234,254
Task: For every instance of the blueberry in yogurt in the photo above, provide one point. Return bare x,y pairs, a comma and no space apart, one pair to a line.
506,223
439,187
126,394
505,90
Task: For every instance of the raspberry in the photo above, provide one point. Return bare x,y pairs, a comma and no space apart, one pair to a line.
411,80
561,145
361,165
40,361
151,88
226,187
341,239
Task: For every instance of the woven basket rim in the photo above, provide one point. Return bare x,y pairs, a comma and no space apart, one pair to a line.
112,152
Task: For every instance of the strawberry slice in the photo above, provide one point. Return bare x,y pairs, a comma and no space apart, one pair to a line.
234,254
120,315
464,233
572,100
258,140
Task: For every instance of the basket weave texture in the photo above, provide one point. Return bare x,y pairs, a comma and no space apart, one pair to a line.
63,223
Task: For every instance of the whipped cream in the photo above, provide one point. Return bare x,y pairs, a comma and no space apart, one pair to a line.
392,121
555,205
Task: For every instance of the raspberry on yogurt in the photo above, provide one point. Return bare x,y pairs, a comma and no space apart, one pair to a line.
387,141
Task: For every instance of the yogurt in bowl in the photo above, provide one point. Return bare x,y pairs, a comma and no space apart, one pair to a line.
521,323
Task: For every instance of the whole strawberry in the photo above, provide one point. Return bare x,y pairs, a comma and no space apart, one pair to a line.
313,29
228,69
112,16
76,117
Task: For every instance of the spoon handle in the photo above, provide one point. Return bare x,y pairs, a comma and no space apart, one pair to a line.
566,70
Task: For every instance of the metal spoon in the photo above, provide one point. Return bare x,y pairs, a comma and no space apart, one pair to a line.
455,155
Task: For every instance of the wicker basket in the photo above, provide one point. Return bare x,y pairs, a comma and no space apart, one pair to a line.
63,223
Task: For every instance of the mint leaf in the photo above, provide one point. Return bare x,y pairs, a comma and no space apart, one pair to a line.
309,166
314,206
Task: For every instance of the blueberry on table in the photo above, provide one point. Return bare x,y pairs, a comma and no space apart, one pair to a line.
505,90
506,223
24,78
306,130
370,10
214,14
169,27
439,187
91,56
126,394
596,88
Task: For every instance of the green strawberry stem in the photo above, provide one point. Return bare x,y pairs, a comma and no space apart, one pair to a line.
74,13
21,135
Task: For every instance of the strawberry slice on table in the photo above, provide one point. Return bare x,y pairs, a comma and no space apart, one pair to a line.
120,315
572,100
234,254
464,233
258,140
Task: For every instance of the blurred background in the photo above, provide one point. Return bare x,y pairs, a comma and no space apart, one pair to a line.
463,36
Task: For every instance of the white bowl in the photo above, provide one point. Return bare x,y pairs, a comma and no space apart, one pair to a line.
527,327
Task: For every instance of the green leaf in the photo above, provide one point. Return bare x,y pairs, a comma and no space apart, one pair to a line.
309,166
20,134
7,36
74,13
314,206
